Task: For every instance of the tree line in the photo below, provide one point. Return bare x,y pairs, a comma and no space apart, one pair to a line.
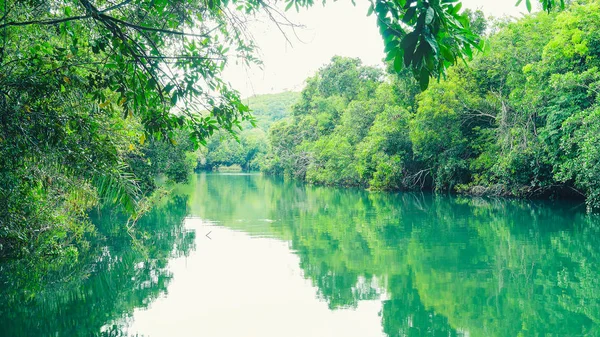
520,119
247,149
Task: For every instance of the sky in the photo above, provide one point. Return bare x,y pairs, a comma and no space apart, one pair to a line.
338,28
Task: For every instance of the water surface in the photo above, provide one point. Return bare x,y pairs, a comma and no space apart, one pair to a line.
247,255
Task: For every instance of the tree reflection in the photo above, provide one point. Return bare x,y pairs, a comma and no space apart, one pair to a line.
444,266
119,272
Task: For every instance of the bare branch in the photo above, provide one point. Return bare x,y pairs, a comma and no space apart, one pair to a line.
278,25
117,6
151,29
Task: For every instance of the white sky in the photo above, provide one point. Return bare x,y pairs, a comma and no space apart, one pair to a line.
338,28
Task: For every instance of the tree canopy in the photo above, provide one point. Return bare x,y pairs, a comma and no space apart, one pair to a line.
431,35
87,92
517,120
248,149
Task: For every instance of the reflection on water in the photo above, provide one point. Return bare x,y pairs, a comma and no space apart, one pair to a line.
286,259
119,272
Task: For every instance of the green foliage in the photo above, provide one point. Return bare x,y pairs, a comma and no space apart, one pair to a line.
249,147
383,154
428,36
334,113
520,119
339,78
438,131
175,160
332,161
270,108
89,90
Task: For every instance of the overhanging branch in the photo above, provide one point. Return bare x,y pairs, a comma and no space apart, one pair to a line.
44,22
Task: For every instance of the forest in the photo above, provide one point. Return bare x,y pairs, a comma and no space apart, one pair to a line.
105,103
520,119
247,149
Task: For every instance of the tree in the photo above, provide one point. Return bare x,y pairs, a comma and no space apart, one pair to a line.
249,148
168,56
86,87
429,36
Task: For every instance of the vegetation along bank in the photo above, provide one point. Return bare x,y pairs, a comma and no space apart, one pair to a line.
521,119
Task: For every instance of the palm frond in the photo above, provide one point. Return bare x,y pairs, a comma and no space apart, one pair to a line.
119,187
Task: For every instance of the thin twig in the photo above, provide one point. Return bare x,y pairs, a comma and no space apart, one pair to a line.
117,6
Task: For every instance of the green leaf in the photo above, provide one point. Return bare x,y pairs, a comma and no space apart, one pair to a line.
390,46
432,43
370,11
457,8
424,78
429,15
422,51
485,46
391,55
408,44
398,63
410,13
446,54
468,51
151,84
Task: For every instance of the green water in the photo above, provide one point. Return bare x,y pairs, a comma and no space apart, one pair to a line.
246,255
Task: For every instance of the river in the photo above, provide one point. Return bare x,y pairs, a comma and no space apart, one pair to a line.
248,255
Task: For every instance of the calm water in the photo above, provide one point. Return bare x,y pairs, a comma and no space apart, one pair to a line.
246,255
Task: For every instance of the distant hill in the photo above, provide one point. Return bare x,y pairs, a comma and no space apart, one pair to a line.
224,152
270,108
